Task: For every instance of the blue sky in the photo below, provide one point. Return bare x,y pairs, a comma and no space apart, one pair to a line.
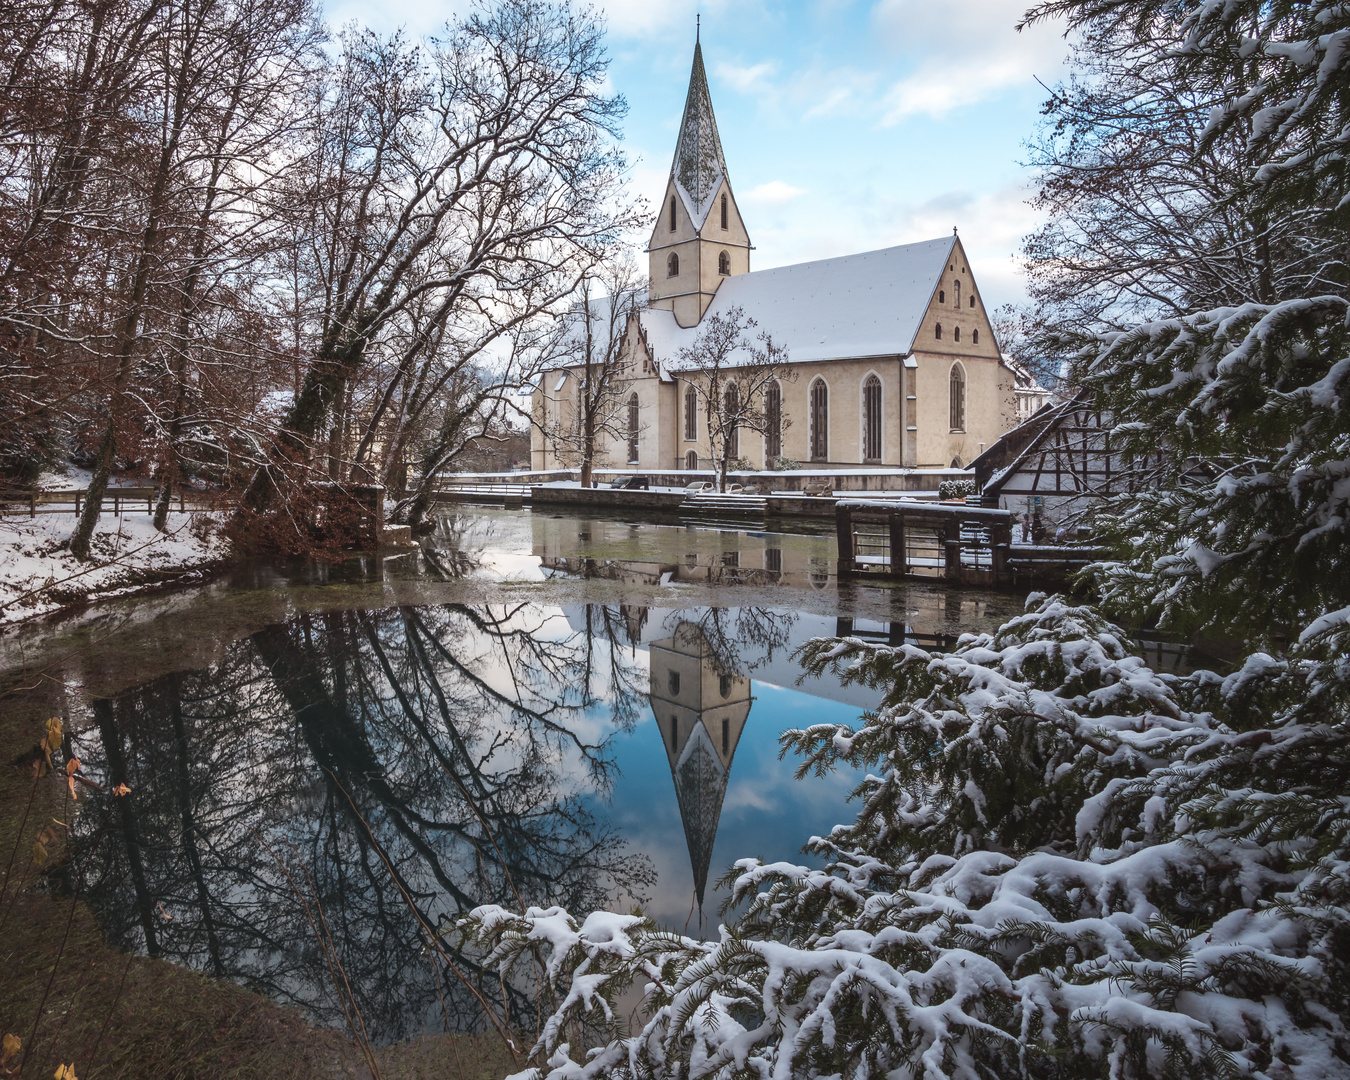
847,125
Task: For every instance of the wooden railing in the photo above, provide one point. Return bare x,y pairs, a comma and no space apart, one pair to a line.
955,542
58,501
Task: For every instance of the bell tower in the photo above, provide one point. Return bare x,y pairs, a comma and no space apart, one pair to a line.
698,237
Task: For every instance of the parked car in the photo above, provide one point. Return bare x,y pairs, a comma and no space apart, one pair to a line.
632,483
698,487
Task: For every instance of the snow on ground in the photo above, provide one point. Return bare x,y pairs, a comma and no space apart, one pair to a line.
71,478
38,574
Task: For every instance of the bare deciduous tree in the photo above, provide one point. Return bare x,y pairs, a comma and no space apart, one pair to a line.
593,343
497,192
732,375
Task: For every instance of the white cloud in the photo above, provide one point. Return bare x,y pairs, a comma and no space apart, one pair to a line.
965,51
747,80
773,193
648,19
992,225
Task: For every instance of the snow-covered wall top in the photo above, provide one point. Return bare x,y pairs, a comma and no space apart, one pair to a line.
870,304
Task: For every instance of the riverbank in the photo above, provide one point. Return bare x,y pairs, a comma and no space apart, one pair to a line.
39,575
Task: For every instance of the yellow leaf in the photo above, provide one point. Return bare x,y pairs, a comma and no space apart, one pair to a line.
39,852
72,766
121,789
54,734
12,1045
64,1072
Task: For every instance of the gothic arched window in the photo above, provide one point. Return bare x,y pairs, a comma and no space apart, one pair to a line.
974,337
633,429
957,398
937,331
872,419
956,333
972,300
724,211
942,296
956,292
731,404
691,460
773,422
820,420
690,415
724,264
672,213
673,265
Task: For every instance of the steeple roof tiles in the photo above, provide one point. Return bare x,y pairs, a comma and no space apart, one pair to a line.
699,165
854,306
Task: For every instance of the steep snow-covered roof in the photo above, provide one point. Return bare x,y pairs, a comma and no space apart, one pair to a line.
699,164
870,304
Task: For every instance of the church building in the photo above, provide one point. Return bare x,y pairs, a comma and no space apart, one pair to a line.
891,356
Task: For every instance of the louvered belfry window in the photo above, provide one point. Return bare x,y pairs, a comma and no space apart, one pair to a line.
690,413
633,430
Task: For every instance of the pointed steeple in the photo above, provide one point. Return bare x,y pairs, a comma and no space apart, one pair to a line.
699,166
698,238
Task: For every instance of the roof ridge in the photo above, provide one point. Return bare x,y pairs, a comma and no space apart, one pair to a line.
850,255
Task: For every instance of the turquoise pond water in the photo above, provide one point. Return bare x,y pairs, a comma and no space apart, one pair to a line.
542,709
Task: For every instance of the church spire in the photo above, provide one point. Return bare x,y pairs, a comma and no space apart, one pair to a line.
699,166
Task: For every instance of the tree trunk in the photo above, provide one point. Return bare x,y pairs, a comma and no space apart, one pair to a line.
128,337
117,774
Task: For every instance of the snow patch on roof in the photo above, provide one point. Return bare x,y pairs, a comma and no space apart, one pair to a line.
870,304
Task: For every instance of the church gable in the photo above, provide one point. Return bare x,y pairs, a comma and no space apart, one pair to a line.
956,321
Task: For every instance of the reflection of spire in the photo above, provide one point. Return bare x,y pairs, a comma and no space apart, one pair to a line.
701,713
700,787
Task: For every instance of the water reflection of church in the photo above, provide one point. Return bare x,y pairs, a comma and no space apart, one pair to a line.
701,711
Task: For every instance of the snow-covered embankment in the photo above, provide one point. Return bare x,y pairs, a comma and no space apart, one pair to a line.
38,574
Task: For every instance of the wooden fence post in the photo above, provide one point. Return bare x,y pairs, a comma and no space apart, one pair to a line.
899,562
951,552
843,524
1000,537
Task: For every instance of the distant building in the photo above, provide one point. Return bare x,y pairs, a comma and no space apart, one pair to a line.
894,356
1028,394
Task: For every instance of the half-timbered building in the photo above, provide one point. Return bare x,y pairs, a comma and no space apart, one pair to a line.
1048,469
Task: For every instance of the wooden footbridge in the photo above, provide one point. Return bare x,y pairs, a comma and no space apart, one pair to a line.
953,542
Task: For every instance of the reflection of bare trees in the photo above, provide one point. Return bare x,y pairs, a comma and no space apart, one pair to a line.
433,756
455,547
738,639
